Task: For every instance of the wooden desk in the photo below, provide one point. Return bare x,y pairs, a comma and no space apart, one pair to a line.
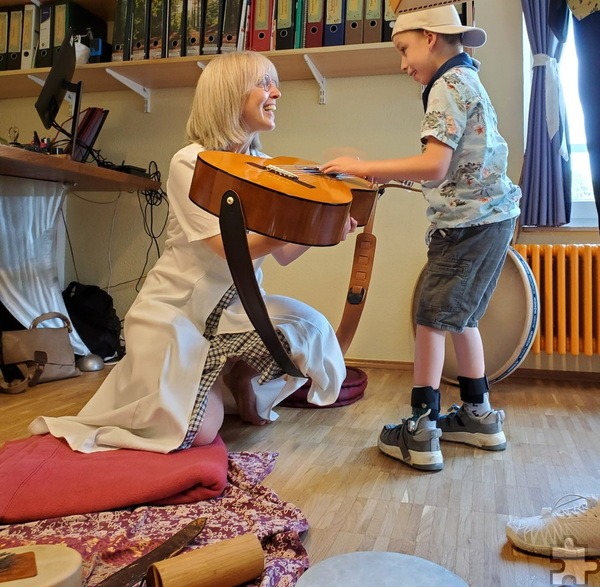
88,177
32,190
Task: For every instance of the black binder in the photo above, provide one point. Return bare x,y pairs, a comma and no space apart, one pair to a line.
193,26
231,25
213,27
175,30
157,41
285,24
43,57
121,45
139,29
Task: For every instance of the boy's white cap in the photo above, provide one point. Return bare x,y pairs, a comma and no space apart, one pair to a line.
443,19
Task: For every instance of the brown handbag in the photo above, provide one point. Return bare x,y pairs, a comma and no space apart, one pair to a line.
36,355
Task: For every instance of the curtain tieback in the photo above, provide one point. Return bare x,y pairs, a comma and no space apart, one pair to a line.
555,107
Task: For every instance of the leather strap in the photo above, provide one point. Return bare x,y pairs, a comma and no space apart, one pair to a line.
237,252
360,278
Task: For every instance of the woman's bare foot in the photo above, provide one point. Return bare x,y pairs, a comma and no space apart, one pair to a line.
238,380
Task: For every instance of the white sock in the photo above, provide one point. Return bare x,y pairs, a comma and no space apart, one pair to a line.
479,410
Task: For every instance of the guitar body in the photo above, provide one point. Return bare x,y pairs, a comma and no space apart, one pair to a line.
309,209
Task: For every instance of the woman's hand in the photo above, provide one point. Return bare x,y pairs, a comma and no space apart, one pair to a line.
350,226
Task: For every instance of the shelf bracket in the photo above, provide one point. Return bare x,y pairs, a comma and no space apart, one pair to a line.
144,92
69,96
318,77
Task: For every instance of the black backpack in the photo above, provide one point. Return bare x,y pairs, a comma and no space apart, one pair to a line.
94,317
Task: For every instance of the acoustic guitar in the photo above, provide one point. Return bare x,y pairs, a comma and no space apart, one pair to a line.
284,197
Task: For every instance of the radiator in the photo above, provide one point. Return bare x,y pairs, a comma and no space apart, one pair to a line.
568,280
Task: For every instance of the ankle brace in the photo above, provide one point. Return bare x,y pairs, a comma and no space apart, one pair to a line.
472,391
426,398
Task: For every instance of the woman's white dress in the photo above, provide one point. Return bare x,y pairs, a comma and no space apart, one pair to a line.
150,397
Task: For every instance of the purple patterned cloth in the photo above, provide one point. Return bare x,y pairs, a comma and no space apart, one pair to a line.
108,541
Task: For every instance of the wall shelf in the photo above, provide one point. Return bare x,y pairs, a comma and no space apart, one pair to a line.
180,72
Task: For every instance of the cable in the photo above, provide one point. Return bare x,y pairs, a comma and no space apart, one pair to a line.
153,198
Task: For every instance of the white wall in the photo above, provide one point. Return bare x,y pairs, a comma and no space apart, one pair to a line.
378,116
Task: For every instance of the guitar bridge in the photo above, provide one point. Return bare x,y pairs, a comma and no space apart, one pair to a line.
282,172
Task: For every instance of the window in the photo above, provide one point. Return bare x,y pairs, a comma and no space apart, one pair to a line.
583,212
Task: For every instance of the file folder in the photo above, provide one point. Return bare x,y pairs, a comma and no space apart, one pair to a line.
157,34
389,19
285,21
31,35
43,57
314,23
193,26
354,22
243,37
175,30
261,25
232,16
139,29
3,39
373,21
15,38
335,12
121,45
299,25
213,27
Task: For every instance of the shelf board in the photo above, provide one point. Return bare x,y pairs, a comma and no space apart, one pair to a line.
332,62
18,162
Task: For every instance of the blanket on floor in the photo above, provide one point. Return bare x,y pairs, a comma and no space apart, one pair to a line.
108,541
41,477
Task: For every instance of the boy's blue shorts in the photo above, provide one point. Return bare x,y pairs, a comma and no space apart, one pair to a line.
462,271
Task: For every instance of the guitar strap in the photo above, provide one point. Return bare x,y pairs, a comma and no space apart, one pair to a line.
360,277
237,253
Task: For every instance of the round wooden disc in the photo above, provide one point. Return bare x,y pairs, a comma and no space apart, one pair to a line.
384,569
57,566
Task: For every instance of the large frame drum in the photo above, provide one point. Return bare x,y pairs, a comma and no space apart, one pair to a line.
508,326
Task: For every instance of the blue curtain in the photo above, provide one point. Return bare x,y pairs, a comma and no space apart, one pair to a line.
546,176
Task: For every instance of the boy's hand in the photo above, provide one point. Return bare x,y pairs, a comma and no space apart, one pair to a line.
347,165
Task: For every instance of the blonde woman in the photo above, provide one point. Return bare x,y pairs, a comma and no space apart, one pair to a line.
188,337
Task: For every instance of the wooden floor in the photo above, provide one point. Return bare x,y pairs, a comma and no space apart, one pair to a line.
357,499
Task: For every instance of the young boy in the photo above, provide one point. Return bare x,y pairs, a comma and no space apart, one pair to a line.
472,207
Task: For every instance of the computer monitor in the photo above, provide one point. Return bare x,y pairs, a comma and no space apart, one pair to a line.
57,84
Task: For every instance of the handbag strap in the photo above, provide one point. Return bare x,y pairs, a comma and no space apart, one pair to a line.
50,316
30,372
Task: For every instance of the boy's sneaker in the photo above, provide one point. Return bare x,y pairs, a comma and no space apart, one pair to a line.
413,443
482,431
560,533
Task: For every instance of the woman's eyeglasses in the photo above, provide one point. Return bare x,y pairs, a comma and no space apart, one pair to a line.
265,82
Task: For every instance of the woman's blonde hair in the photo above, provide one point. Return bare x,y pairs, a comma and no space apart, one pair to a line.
216,116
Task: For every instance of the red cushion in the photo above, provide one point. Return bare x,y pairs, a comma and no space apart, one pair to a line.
352,390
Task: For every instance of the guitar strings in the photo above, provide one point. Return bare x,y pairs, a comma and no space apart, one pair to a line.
314,170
